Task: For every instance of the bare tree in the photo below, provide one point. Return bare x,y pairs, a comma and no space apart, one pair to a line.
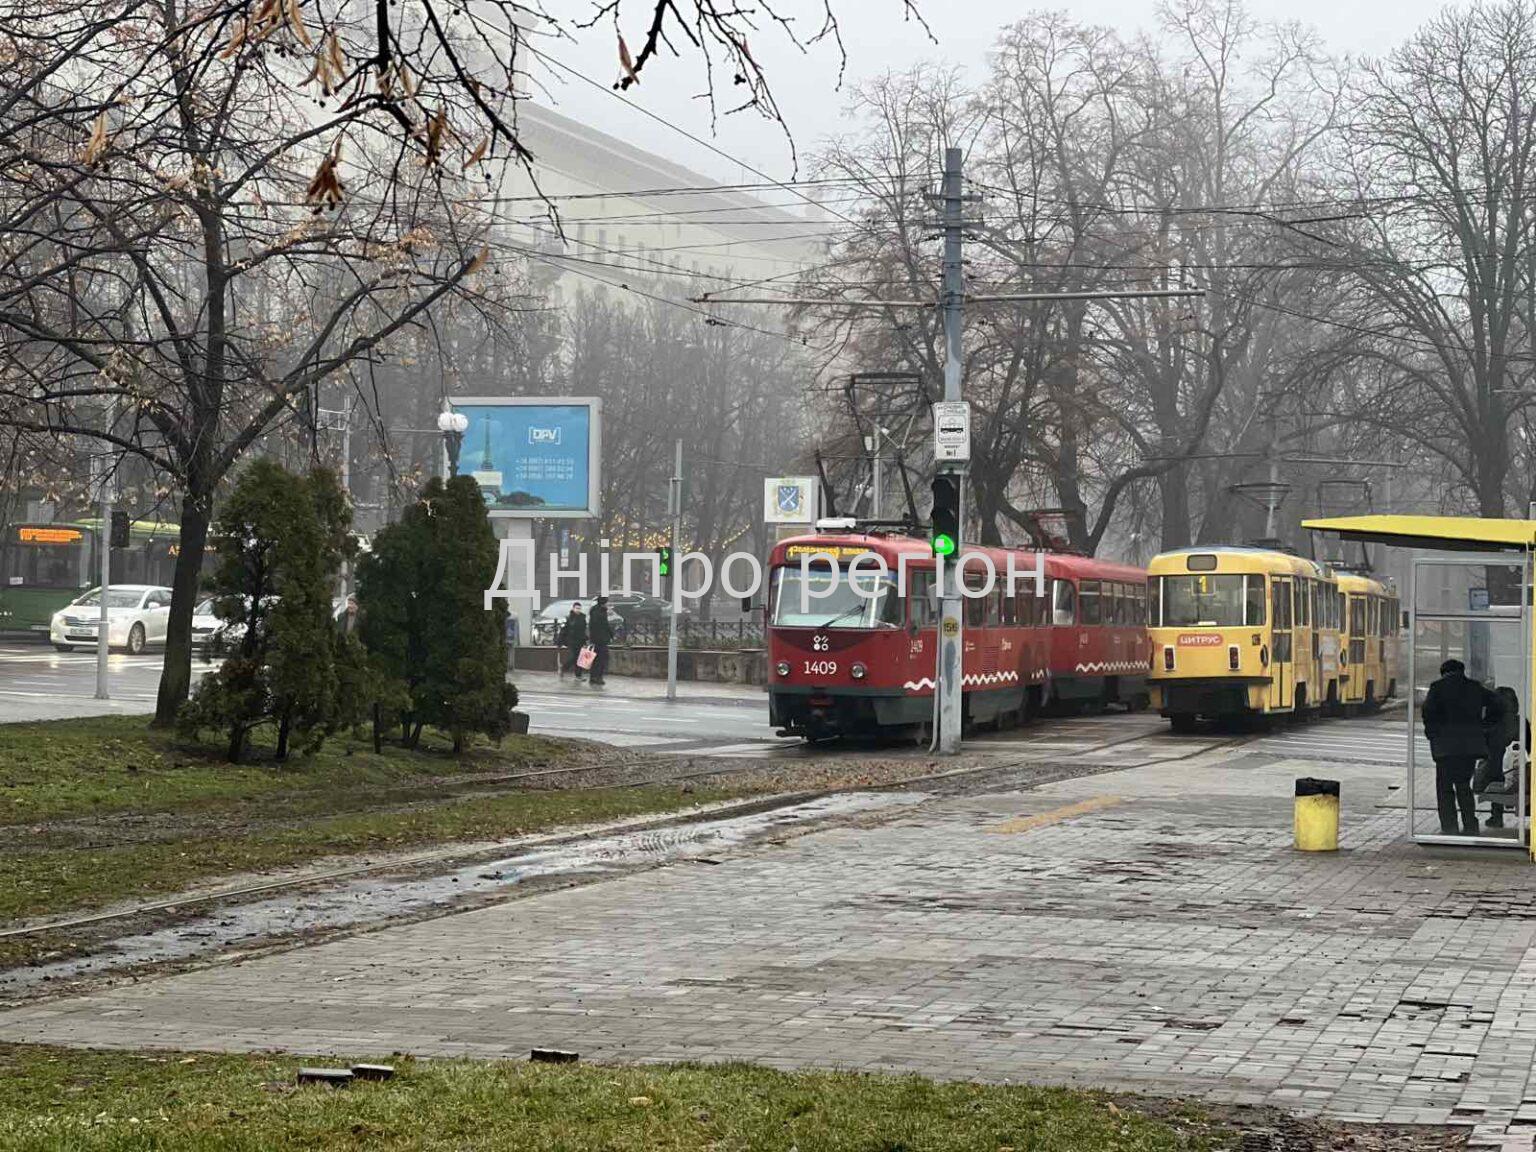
1442,157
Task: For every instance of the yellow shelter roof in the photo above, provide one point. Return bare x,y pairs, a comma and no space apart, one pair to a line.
1450,533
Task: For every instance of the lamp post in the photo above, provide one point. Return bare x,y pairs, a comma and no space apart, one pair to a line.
452,425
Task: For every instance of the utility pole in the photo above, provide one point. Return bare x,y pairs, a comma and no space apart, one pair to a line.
675,507
948,678
876,491
104,542
1272,505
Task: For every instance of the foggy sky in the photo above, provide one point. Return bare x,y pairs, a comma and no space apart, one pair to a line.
877,40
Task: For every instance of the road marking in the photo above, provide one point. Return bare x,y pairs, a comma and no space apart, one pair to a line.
1055,815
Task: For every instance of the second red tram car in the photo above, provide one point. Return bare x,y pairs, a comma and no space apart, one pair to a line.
847,663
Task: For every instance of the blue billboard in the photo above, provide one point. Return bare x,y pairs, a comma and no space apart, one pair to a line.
533,456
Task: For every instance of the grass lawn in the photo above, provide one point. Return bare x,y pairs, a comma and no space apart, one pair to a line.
99,810
58,1099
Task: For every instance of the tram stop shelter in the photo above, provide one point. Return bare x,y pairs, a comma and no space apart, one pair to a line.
1468,598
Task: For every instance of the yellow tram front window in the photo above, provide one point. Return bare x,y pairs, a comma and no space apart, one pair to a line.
1218,600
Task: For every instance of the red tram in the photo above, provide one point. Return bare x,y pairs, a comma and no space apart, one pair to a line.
848,663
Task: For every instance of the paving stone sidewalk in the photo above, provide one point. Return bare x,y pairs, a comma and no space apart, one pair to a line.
1149,930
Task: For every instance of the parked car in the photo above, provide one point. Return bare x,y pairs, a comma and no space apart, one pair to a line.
639,609
213,637
136,617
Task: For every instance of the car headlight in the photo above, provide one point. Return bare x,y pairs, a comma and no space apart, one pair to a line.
782,667
858,671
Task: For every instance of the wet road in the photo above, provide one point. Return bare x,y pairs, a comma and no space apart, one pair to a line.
38,683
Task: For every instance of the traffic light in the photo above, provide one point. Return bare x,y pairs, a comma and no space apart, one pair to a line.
664,562
119,533
945,535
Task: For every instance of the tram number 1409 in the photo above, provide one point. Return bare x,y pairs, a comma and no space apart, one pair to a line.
821,667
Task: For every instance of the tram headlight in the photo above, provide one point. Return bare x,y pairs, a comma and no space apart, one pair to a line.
782,667
858,671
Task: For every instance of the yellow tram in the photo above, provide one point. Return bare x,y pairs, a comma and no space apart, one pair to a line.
1369,643
1248,632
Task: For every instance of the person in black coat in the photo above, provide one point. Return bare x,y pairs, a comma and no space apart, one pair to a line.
601,634
573,637
1457,714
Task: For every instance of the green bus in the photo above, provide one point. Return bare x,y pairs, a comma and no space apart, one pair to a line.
43,567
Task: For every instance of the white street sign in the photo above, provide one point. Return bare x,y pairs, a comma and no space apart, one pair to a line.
952,431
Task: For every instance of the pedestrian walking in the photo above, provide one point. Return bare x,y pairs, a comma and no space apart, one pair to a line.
600,634
1457,714
572,639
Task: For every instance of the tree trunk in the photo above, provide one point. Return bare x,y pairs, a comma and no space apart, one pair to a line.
1173,486
236,750
176,673
283,727
415,741
378,730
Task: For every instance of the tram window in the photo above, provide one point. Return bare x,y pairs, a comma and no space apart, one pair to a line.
842,608
1357,615
1063,602
1253,601
1213,601
1088,594
1032,608
1009,608
924,606
1282,599
1155,602
1141,591
1304,604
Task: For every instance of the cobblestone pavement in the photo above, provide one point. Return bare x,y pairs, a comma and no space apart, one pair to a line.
1149,929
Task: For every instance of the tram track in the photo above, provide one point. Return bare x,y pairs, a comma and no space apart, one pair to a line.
460,854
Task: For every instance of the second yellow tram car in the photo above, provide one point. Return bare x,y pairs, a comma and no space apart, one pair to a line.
1247,632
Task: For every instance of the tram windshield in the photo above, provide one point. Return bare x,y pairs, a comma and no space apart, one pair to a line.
880,607
1221,601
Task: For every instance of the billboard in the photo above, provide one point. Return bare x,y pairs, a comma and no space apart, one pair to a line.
534,457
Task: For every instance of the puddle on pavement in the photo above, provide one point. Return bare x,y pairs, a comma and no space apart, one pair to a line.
370,899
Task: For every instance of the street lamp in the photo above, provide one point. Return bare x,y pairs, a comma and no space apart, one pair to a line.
452,425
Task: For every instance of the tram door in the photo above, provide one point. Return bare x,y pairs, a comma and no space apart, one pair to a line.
1282,654
1474,608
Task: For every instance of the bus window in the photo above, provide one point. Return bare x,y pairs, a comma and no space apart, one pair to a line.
1063,602
1092,612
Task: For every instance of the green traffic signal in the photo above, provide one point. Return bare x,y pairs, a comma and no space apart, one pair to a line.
664,564
943,545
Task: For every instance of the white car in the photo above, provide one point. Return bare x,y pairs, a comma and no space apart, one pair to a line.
136,617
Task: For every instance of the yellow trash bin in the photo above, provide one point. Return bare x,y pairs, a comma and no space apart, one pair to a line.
1317,815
